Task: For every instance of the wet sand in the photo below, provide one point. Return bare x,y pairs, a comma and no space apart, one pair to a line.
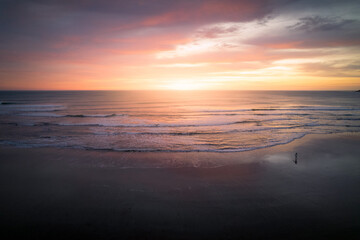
262,194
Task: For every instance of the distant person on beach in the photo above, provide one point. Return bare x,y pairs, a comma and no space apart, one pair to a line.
295,161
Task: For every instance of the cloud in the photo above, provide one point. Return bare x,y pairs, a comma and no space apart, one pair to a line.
215,31
311,32
318,23
150,38
60,26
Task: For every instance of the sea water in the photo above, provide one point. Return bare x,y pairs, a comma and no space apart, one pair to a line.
172,121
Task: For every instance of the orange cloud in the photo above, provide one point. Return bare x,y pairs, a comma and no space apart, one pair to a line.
225,44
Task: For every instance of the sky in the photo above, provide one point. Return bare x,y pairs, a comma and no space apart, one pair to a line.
180,45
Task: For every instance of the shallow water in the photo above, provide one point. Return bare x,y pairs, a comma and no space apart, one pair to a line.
172,121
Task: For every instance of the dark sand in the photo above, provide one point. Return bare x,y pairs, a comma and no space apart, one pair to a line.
262,194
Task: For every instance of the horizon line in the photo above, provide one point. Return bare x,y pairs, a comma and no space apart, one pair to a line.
175,90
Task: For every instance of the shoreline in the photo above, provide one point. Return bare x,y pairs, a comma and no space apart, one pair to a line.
261,194
148,160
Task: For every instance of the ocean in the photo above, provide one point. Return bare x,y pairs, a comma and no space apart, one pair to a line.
172,121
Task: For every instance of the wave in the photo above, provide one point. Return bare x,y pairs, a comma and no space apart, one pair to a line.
33,107
181,133
348,119
193,125
38,105
93,115
40,114
140,150
9,103
286,109
181,126
32,114
39,110
156,125
281,114
191,133
328,125
150,115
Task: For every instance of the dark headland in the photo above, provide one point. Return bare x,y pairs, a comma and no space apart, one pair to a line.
262,194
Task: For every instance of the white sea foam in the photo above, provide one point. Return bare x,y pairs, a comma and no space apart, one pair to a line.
157,125
232,123
223,150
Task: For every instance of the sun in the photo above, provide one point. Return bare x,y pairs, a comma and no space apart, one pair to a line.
182,85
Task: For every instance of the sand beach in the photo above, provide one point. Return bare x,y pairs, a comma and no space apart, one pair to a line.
49,193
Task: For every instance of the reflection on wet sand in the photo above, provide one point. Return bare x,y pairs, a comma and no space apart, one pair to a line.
104,195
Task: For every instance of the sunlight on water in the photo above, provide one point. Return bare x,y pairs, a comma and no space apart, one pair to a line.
172,121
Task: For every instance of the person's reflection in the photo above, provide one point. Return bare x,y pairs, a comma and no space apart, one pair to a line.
295,160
